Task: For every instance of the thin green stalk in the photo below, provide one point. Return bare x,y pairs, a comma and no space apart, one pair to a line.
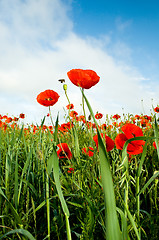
7,169
126,196
65,89
156,136
16,182
138,203
48,205
51,117
68,230
84,112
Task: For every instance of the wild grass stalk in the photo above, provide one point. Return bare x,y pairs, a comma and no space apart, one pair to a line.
112,223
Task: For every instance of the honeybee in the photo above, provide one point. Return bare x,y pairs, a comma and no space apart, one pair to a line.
61,80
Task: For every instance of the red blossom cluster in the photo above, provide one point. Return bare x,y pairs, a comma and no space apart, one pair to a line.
88,151
144,121
65,127
6,121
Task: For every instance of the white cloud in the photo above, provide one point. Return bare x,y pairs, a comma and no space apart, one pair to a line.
38,47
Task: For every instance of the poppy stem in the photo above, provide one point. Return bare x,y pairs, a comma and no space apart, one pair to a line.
65,89
51,117
84,112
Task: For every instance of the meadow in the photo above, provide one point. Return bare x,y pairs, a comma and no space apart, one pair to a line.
92,177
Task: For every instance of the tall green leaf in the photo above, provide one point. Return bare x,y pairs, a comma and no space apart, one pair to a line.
156,136
21,231
18,219
112,224
53,164
149,182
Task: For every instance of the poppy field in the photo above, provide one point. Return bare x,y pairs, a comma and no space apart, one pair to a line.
89,178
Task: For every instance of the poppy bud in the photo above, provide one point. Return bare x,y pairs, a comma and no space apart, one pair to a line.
65,87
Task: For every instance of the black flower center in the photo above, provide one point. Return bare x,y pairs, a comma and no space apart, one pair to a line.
48,99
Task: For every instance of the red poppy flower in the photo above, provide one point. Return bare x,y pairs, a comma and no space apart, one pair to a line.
116,116
98,115
22,115
103,126
130,131
88,151
73,114
147,117
156,109
115,124
63,151
71,170
70,106
81,118
144,122
16,119
65,127
8,120
137,117
154,145
109,142
83,78
47,98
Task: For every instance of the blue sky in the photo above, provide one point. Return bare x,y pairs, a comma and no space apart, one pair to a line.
135,23
40,40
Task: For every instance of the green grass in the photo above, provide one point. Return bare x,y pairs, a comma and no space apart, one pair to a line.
106,196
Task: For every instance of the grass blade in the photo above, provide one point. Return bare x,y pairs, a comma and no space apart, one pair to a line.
142,159
53,163
149,182
123,224
11,207
21,231
133,223
157,136
112,224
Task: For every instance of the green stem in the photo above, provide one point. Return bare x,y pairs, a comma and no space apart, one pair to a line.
48,205
138,202
69,105
126,196
51,117
84,112
68,228
67,97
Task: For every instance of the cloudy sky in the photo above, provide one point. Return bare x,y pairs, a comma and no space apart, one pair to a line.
41,40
